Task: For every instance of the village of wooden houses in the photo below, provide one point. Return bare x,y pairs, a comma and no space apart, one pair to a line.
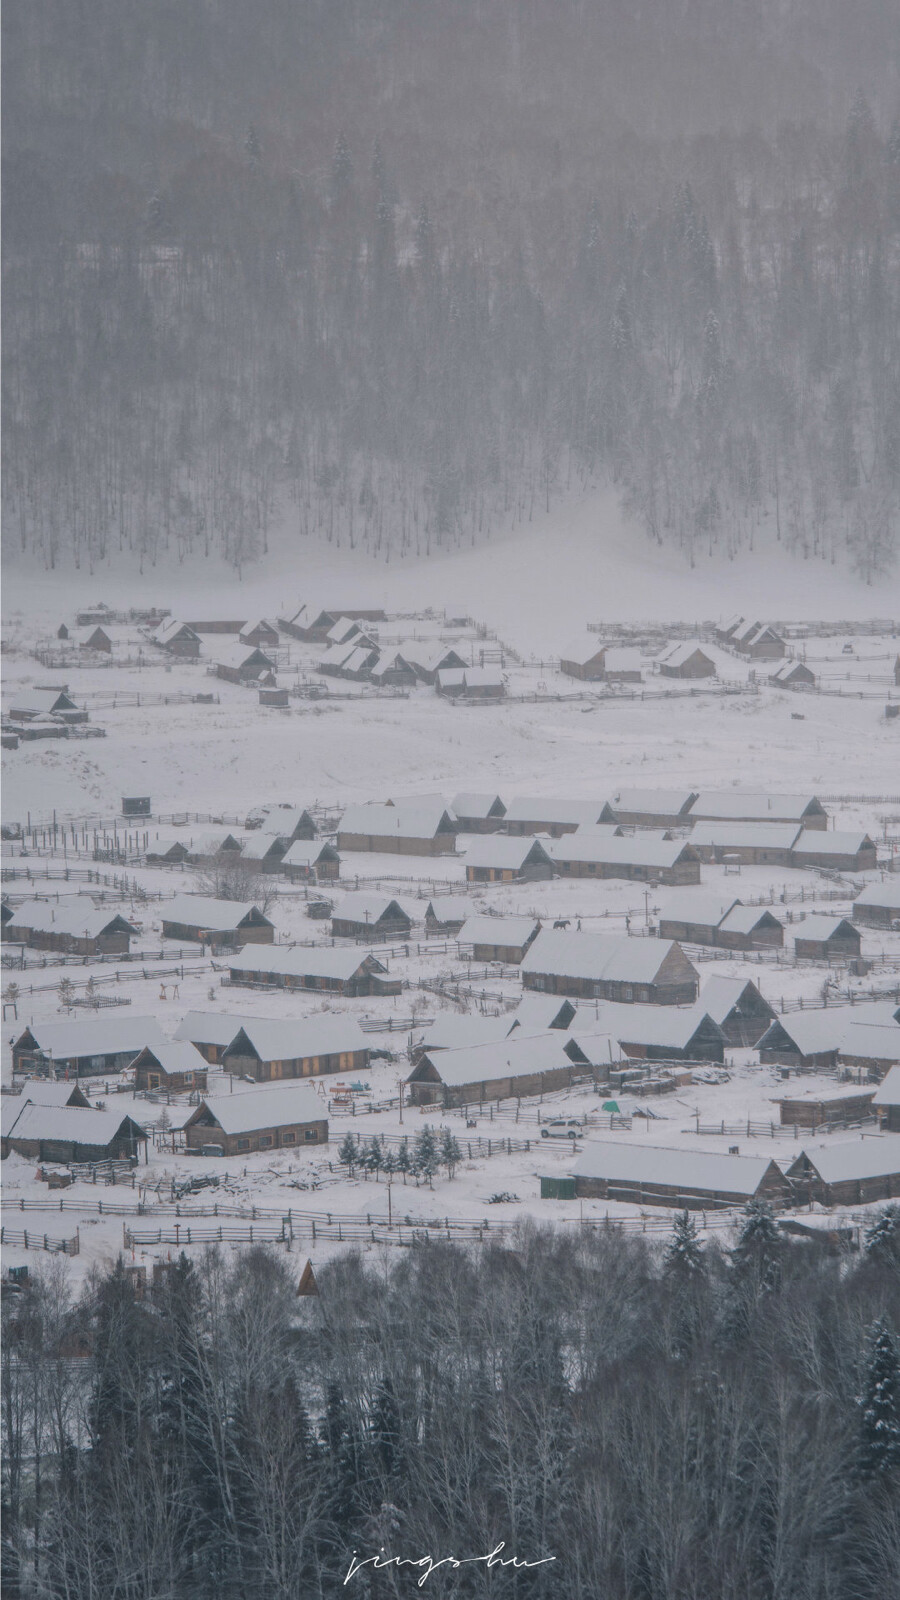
627,942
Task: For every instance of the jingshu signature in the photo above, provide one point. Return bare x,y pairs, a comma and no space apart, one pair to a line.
429,1565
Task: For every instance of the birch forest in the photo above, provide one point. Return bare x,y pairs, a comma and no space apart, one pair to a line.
391,272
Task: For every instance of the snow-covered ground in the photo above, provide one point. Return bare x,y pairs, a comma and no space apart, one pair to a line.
536,591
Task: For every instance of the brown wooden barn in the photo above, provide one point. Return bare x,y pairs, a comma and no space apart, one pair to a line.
793,674
815,1108
694,917
749,928
73,927
70,1133
516,1066
593,852
332,970
807,1039
370,916
681,1179
284,1117
211,1032
659,1033
81,1048
96,639
241,663
598,966
822,938
734,805
478,813
840,850
749,843
527,814
687,659
584,660
649,808
497,859
302,1047
176,1066
260,632
199,919
445,915
414,829
179,638
878,906
498,938
311,861
738,1008
850,1173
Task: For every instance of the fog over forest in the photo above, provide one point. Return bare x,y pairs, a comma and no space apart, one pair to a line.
395,271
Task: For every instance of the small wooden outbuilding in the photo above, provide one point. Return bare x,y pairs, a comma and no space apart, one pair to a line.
878,906
370,917
277,1118
201,920
498,938
687,659
682,1179
70,1133
478,813
821,938
498,859
852,1173
598,966
330,969
176,1066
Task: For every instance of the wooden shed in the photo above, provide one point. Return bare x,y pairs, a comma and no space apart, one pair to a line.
759,642
428,658
749,928
70,1133
599,966
520,1065
840,850
198,919
792,675
241,663
686,659
373,917
73,927
734,805
527,814
423,829
878,906
658,1033
85,1047
649,808
327,969
260,632
682,1179
498,859
822,938
815,1109
694,917
176,1066
584,660
96,639
301,1047
178,638
594,853
445,915
886,1101
311,861
498,938
478,813
278,1118
749,843
851,1173
738,1008
806,1039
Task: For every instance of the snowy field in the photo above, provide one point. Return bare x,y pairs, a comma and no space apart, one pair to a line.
552,736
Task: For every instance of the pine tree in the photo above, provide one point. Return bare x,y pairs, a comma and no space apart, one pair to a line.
425,1154
348,1153
879,1405
684,1253
450,1153
403,1160
372,1157
389,1163
882,1239
760,1247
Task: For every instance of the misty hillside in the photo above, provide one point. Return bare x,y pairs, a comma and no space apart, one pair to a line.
397,269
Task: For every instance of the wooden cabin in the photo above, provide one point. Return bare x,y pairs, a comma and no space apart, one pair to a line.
295,623
241,663
649,808
497,859
445,915
821,938
471,683
353,661
816,1109
178,638
537,1012
392,670
657,1033
851,1173
886,1101
289,822
477,1073
759,642
311,861
584,660
807,1040
869,1049
72,927
730,805
286,1117
28,704
687,659
693,1180
749,928
498,938
330,970
694,917
424,829
211,1032
96,639
71,1133
297,1048
478,813
371,917
428,658
106,1043
842,851
198,919
594,853
793,675
748,843
177,1066
528,815
601,966
259,632
315,626
622,665
878,906
725,631
737,1008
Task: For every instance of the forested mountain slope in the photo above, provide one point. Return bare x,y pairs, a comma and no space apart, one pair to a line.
401,269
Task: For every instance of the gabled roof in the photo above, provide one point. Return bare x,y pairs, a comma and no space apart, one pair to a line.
448,907
450,1032
417,820
274,1107
745,835
77,917
858,1158
429,656
343,629
242,655
744,919
835,842
284,819
582,651
786,670
298,1037
361,906
540,1011
622,658
176,1055
553,809
212,1027
812,1033
824,927
870,1041
663,1027
888,1092
70,1124
697,906
219,916
654,802
306,852
678,1168
40,701
675,655
498,930
517,1057
173,629
638,851
720,995
715,805
477,807
257,622
312,961
886,894
504,852
95,1036
598,956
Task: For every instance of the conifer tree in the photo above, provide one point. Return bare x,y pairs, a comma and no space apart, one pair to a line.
879,1405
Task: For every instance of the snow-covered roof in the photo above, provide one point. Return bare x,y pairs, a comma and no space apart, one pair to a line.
272,1107
502,851
596,955
305,961
167,631
242,655
581,651
96,1036
177,1055
653,802
622,659
867,1157
812,1032
720,995
745,835
212,1027
67,1124
722,804
822,926
697,906
480,677
538,1011
451,1032
255,623
448,907
870,1041
297,1038
888,1093
284,819
515,1057
39,701
675,655
359,906
639,850
306,852
786,670
815,842
202,911
78,917
664,1027
553,809
676,1168
429,656
474,806
417,820
886,894
497,930
743,919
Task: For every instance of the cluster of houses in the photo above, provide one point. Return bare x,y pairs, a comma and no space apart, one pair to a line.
730,925
595,661
353,652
